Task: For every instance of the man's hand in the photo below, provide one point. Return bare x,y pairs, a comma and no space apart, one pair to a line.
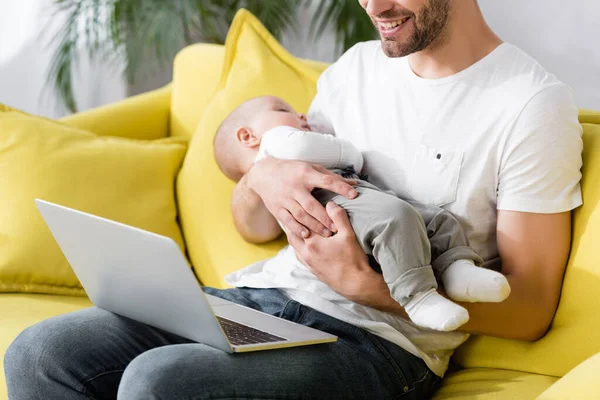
341,263
285,188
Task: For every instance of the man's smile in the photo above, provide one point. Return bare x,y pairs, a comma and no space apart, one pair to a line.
390,28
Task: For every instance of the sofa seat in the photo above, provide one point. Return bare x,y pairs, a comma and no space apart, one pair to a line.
19,311
492,384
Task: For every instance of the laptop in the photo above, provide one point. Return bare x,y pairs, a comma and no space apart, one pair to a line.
145,277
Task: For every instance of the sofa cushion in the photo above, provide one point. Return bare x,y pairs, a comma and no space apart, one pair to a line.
493,384
131,181
255,65
197,73
573,336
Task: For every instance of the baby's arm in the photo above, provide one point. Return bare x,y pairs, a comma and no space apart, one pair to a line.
289,143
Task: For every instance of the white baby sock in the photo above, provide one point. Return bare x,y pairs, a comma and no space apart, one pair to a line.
464,281
431,310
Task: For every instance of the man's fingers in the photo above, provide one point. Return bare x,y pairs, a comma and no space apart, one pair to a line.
324,170
306,218
296,242
314,208
333,183
291,226
340,218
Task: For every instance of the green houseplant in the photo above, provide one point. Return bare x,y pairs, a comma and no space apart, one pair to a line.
142,35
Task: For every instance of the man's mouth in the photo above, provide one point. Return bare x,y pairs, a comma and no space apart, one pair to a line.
390,28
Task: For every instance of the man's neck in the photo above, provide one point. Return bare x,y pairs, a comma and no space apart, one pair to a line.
467,40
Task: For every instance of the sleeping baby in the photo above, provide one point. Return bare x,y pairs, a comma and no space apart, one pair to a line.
413,245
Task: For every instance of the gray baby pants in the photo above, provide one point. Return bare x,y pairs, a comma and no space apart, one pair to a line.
413,243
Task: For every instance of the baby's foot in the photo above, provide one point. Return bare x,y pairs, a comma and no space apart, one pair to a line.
432,310
464,281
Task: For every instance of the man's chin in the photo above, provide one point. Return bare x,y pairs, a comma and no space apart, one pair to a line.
393,49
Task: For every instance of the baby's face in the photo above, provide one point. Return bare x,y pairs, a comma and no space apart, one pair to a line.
270,112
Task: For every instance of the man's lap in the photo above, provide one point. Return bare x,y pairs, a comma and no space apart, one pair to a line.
93,348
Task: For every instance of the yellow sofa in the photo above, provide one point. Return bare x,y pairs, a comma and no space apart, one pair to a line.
495,369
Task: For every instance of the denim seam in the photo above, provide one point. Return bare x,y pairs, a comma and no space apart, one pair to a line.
387,355
304,311
285,306
85,389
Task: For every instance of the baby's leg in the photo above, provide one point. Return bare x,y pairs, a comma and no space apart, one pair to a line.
454,261
395,234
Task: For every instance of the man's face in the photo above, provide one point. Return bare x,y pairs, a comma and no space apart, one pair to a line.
408,26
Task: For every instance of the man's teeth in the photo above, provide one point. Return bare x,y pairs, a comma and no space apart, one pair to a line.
393,24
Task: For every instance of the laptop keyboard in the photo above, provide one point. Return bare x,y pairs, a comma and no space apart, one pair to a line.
239,334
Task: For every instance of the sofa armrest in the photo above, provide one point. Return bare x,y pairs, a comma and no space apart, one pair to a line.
589,116
580,383
145,116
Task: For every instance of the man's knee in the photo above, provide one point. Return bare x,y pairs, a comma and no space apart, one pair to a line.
31,351
174,371
150,375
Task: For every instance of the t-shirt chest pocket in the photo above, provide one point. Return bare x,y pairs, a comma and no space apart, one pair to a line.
435,174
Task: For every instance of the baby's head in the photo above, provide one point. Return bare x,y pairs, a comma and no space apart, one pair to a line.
238,138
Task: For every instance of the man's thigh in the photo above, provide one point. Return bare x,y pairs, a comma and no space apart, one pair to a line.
358,366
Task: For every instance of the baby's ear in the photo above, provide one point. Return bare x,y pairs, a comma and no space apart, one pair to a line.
247,137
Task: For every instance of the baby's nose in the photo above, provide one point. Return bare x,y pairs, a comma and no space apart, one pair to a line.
302,117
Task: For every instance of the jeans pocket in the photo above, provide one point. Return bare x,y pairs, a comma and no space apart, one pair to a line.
381,348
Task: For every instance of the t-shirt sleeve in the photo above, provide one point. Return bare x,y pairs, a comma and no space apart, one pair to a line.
289,143
540,167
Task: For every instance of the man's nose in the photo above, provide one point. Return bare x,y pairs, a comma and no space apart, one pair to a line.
376,7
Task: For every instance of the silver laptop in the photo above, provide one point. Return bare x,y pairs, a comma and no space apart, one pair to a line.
145,277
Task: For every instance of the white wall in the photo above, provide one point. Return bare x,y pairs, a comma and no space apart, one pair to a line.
564,36
25,59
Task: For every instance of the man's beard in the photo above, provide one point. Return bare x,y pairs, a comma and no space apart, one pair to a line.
429,29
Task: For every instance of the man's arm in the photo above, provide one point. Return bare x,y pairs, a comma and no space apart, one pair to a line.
534,249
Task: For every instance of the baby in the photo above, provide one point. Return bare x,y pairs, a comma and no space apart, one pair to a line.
412,243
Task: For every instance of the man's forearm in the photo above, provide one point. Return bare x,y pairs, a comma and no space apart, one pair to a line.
250,216
525,315
522,316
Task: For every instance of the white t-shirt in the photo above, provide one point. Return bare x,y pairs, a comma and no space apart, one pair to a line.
501,134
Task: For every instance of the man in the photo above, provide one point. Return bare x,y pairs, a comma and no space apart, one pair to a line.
447,114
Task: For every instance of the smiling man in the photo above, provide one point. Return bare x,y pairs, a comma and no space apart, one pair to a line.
446,114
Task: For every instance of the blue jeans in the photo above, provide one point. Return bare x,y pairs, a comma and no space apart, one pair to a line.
95,354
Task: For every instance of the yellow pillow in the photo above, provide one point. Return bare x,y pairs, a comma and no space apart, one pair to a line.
573,336
255,64
131,181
